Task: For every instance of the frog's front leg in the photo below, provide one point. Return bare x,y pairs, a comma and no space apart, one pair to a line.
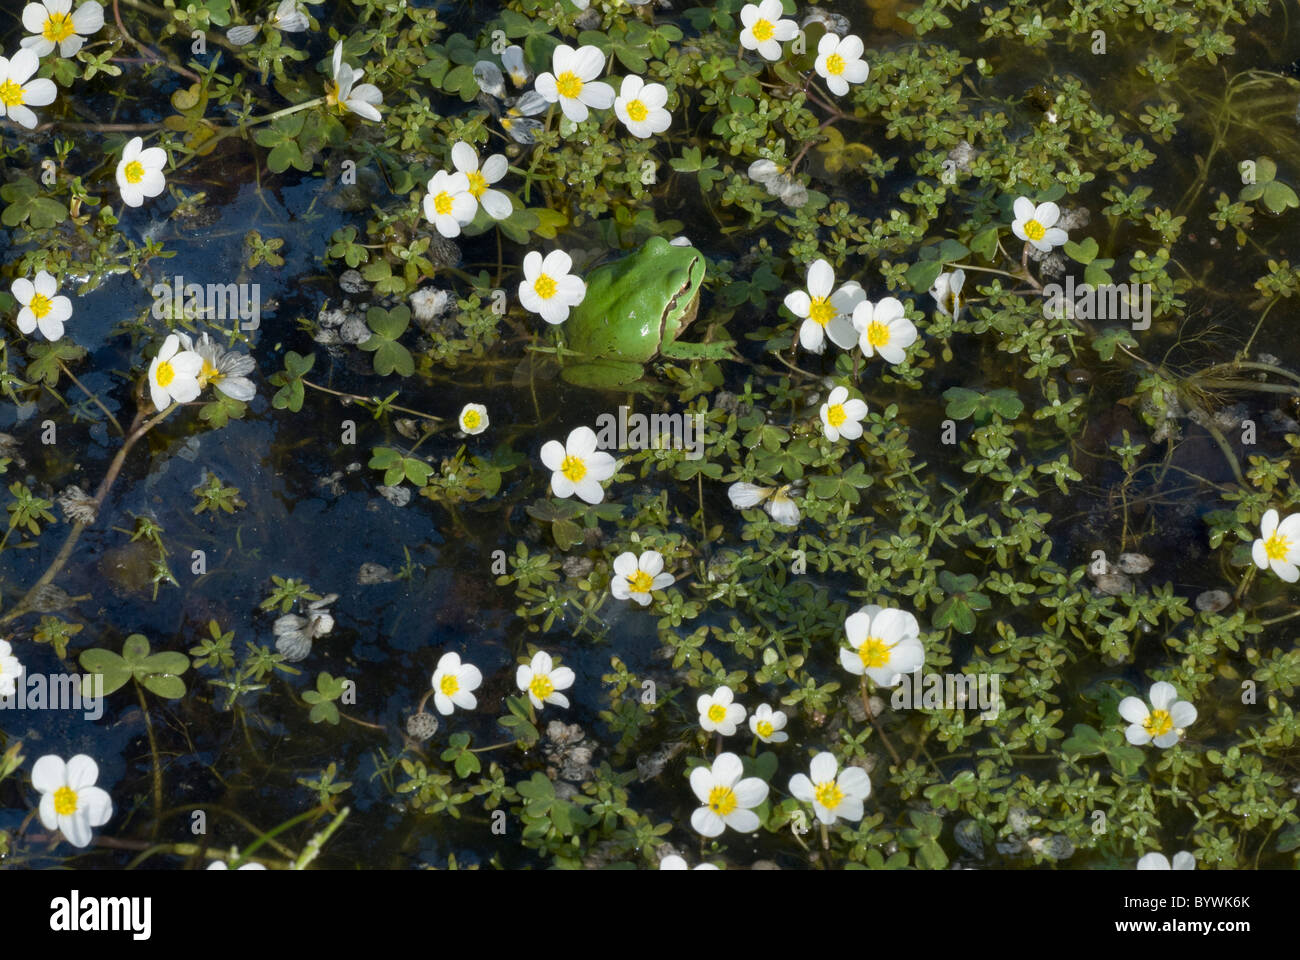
682,350
602,374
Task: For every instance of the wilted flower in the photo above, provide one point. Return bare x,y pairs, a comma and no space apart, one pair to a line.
294,634
512,58
77,506
674,862
947,294
223,369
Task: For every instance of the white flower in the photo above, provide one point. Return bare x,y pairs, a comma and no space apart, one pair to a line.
768,725
636,576
1278,546
640,106
448,204
825,313
465,160
776,501
70,801
18,91
40,305
1034,224
577,466
542,681
548,288
842,417
343,95
52,23
512,58
883,329
223,369
474,418
222,865
453,682
10,670
289,17
139,172
718,712
839,62
1162,724
832,797
174,374
946,291
765,31
573,83
885,645
728,800
1158,861
674,862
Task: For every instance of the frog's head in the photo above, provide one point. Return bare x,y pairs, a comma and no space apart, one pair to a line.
682,275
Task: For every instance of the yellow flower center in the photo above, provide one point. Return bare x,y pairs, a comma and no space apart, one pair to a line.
1277,547
442,204
835,64
877,334
637,111
874,652
765,728
541,687
1034,230
470,420
762,30
58,27
574,468
477,184
568,85
544,286
65,801
640,582
1159,723
208,373
11,95
821,311
165,374
835,415
134,172
722,800
449,684
40,305
828,794
717,713
332,97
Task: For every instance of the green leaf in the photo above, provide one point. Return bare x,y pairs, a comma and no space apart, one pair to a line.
1084,252
921,275
1085,741
1110,340
109,665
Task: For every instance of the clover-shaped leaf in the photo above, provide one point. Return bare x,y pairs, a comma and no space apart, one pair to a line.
389,355
958,609
963,403
328,689
159,673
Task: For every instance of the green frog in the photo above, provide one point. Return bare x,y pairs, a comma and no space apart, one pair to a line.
636,309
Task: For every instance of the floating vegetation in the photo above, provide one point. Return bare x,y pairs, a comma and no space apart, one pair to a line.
744,435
